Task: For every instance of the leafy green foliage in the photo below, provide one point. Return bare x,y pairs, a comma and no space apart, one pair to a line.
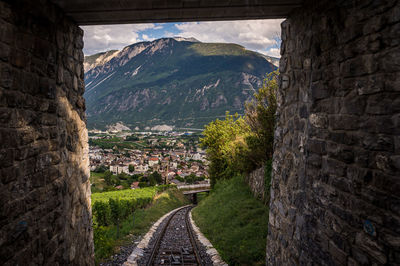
132,137
116,212
267,179
192,178
155,178
100,169
235,222
108,178
138,195
222,139
241,144
260,116
105,237
102,213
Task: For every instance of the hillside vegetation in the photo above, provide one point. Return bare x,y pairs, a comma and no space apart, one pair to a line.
235,222
240,144
184,83
119,217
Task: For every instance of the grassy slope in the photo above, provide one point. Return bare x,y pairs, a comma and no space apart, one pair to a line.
234,222
97,179
144,218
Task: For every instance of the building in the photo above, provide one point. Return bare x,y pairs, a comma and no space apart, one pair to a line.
153,161
119,168
197,157
142,168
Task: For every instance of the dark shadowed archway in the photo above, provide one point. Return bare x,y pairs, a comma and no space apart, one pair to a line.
335,188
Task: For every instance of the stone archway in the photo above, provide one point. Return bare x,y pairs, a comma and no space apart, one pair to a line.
338,124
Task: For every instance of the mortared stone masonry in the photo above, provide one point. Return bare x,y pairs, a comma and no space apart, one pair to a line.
45,215
335,196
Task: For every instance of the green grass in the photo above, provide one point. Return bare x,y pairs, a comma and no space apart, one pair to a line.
201,196
234,222
208,49
106,242
97,180
127,194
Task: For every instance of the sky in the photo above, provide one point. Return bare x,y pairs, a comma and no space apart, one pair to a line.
258,35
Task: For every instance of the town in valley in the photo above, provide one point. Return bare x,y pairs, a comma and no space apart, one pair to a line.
132,159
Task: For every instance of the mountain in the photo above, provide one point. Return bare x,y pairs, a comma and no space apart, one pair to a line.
175,81
92,61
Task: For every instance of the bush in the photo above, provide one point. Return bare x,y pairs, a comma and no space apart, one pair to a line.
235,222
102,213
239,145
104,246
105,237
100,169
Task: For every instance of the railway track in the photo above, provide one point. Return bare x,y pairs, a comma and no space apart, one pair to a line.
176,244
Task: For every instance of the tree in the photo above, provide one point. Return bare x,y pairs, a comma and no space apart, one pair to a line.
131,168
157,177
108,178
132,138
115,212
123,176
241,144
260,117
101,212
100,169
221,139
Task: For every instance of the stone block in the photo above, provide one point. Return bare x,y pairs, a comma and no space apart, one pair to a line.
4,52
393,65
329,106
316,146
7,32
371,247
19,59
6,157
333,167
319,120
361,65
340,152
337,254
380,104
6,77
344,122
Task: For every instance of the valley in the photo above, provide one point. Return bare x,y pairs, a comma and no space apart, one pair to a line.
175,81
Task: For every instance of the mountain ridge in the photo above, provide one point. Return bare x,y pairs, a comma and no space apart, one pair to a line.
167,81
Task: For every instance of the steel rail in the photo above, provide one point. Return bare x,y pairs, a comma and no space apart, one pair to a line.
192,238
158,241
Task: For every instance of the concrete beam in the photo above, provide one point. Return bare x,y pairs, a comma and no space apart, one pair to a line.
92,12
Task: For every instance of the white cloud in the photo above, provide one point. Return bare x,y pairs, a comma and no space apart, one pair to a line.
107,37
169,34
147,38
259,35
159,27
275,52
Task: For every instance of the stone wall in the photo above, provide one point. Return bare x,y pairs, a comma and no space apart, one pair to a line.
336,172
45,216
256,182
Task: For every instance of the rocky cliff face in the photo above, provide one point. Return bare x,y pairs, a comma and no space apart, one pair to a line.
98,59
176,81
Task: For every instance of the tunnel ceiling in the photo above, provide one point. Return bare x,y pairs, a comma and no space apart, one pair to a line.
90,12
